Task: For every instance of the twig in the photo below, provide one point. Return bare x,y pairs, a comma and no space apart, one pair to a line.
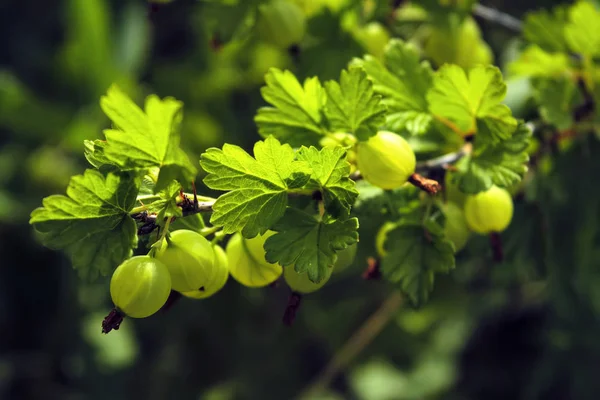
357,342
498,17
426,184
441,162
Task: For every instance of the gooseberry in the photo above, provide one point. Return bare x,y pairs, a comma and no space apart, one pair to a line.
373,37
247,262
190,259
300,283
140,286
281,23
489,211
385,160
456,229
218,278
345,258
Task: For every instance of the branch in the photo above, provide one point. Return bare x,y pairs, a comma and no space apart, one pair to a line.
498,17
428,185
442,162
357,342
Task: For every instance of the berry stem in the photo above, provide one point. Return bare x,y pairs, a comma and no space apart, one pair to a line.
294,301
496,242
112,321
173,298
428,185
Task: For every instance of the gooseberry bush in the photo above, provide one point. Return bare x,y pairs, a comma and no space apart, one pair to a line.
415,136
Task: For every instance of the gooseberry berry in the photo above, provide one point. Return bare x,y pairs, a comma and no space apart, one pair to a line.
345,258
489,211
140,286
300,283
247,263
373,37
218,278
385,160
189,257
456,229
281,23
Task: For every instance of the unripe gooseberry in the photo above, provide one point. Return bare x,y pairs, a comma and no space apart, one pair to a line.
456,229
373,37
489,211
345,258
300,283
218,278
382,236
247,262
140,286
190,259
453,193
385,160
281,23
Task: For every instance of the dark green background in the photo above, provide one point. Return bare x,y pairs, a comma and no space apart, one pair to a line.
490,331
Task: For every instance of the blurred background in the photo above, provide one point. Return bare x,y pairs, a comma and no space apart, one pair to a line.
525,329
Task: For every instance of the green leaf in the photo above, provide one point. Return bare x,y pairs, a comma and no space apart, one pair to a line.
166,206
257,187
582,32
330,175
536,62
352,106
546,29
556,100
296,117
503,164
414,256
91,223
473,101
146,139
403,80
309,244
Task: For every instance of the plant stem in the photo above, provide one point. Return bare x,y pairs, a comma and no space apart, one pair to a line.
428,185
357,342
498,17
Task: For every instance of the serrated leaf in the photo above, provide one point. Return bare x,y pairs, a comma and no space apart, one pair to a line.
146,139
503,164
91,223
556,101
472,101
352,105
582,33
403,80
413,257
296,113
330,171
546,29
257,187
536,62
309,244
166,206
94,153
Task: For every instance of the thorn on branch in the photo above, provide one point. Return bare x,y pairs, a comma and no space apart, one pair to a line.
294,301
112,321
428,185
372,272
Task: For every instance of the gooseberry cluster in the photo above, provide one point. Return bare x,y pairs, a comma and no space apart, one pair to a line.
187,263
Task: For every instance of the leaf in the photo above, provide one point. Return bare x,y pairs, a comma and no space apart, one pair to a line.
536,62
94,153
503,164
546,29
296,116
556,101
472,101
331,176
91,223
352,106
309,244
414,256
257,187
582,33
146,139
167,205
403,80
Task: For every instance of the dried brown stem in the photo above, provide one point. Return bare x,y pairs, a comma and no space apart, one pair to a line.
428,185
